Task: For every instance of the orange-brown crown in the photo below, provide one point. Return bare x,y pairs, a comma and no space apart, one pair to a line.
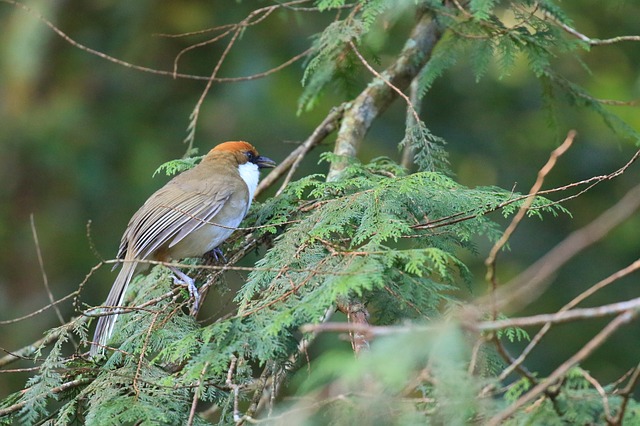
242,152
235,146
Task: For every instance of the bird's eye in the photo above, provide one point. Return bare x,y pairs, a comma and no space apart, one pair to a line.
250,156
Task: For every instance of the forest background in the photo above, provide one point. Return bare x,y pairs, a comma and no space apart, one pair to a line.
81,137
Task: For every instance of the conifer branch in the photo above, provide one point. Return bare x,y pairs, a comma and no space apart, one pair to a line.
30,349
53,391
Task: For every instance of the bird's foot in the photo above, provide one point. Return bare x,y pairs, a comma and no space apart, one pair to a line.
180,278
216,254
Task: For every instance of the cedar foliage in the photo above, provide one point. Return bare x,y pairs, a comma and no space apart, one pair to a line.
382,235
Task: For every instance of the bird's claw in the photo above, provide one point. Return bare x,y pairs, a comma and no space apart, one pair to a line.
217,254
182,279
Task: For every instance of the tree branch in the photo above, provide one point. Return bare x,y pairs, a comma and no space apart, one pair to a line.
523,288
291,163
357,315
493,255
586,350
63,387
366,107
582,296
558,317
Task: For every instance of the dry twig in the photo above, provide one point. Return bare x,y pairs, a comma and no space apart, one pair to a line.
493,254
583,353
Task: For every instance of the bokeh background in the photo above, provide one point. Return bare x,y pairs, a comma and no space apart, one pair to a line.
80,138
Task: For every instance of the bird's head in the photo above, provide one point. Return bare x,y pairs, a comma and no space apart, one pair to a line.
244,153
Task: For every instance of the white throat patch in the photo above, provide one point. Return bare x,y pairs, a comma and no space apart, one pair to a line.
250,173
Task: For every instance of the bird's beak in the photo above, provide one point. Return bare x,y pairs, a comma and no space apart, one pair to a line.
264,162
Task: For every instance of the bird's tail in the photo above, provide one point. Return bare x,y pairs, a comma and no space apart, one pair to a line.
104,329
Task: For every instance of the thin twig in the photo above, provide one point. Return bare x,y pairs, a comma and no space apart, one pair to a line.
293,160
379,94
504,353
39,311
544,171
372,70
369,330
626,394
193,118
45,280
172,74
589,40
521,290
603,394
583,353
581,297
143,352
176,60
26,351
196,395
591,182
560,317
63,387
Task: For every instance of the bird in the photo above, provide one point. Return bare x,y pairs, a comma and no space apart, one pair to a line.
191,215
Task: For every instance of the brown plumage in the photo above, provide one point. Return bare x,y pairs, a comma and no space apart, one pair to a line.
177,221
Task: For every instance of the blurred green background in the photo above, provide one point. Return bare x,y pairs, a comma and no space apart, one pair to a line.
80,138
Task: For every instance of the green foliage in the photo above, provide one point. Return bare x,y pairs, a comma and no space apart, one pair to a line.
513,334
173,167
428,149
333,62
577,402
390,238
333,58
482,9
394,240
384,387
578,96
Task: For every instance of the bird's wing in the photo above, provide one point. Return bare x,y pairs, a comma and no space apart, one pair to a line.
169,215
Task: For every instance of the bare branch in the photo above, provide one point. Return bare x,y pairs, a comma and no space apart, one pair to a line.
357,314
523,289
167,73
493,254
626,394
291,163
39,311
583,353
590,182
603,393
581,297
558,317
589,40
366,329
45,280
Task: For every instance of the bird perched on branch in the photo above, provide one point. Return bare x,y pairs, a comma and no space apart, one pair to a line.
190,216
